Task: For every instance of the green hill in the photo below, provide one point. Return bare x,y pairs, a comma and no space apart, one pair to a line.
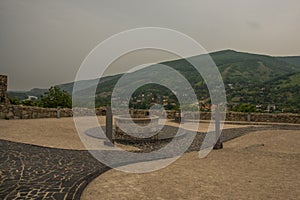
248,78
294,60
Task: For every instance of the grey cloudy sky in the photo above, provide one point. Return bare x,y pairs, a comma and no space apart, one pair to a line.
43,43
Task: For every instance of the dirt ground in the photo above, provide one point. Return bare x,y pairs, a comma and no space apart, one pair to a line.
260,165
58,133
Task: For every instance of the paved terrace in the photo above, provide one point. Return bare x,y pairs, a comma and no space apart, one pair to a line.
30,171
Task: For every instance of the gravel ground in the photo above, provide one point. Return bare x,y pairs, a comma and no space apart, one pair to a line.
263,164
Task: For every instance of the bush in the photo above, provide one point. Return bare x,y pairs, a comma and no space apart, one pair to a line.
14,101
55,97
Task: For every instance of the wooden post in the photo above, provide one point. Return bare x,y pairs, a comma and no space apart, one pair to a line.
219,144
109,127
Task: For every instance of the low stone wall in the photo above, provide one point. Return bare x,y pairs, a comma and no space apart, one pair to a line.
265,117
142,113
28,112
136,126
89,112
254,117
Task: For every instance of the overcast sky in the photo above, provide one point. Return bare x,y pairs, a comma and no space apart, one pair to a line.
43,42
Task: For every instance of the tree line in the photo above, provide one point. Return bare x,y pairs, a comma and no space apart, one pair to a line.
53,98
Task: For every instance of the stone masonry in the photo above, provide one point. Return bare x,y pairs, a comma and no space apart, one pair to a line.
3,90
28,112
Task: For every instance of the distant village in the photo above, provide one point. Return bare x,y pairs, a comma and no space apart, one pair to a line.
146,100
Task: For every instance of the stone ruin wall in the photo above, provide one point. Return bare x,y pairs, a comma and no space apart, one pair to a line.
237,116
27,112
30,112
3,90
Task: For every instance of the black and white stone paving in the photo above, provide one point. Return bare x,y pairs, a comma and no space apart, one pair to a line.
33,172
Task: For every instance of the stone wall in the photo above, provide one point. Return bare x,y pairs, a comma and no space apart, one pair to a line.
29,112
264,117
237,116
26,112
252,117
137,126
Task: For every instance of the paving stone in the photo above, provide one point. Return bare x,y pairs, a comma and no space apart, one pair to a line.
30,171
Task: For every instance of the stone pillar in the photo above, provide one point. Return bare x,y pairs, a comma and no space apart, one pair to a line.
58,112
3,90
177,117
109,127
248,117
219,144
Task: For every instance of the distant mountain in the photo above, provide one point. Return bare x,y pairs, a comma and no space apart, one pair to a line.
248,78
245,67
22,95
294,60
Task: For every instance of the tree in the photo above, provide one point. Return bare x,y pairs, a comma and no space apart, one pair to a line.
29,103
15,101
56,97
246,107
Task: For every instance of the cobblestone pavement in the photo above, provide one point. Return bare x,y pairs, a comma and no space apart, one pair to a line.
33,172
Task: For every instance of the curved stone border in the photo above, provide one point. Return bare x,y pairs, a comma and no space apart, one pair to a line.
166,133
77,190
